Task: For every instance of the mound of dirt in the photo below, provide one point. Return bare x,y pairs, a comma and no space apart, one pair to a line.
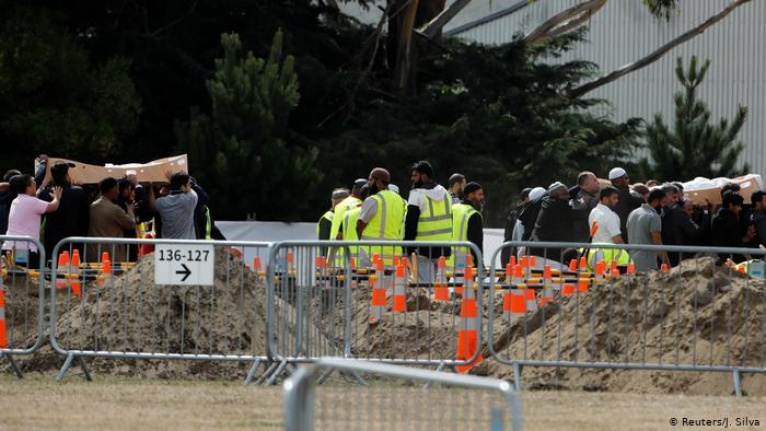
696,314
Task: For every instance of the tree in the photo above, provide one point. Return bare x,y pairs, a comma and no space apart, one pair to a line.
244,151
53,98
695,146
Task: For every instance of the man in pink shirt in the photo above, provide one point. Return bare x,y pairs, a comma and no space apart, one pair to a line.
24,218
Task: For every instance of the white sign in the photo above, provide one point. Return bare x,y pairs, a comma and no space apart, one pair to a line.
184,264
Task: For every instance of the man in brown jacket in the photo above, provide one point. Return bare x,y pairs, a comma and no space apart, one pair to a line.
108,220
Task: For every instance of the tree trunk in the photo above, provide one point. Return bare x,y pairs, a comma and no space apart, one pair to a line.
434,27
657,54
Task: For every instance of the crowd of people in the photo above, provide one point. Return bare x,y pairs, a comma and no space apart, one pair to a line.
592,212
114,208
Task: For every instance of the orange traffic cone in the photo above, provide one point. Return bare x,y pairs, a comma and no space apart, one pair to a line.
106,268
74,279
3,333
441,292
62,268
400,292
378,301
468,331
631,268
664,267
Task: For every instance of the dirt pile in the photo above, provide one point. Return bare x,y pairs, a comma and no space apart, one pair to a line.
696,314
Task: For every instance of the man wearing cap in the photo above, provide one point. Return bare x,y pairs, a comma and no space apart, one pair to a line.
468,225
429,218
628,201
382,216
556,221
455,186
72,216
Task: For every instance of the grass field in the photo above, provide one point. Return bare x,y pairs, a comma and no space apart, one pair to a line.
115,403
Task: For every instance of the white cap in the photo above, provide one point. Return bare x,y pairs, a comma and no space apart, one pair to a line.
130,172
617,173
536,193
394,188
556,185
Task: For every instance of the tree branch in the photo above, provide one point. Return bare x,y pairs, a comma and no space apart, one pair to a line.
657,54
568,19
432,28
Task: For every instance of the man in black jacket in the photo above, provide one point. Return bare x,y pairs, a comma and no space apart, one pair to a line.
725,227
557,220
72,218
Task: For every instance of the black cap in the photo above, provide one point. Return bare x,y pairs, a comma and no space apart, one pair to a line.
424,168
357,186
470,188
525,193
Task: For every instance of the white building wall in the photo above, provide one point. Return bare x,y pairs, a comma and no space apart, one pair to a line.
624,31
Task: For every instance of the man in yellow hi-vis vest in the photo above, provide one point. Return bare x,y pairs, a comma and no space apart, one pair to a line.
468,224
382,216
429,218
324,225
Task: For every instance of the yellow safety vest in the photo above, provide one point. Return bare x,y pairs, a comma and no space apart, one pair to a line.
386,224
349,231
595,254
328,215
435,223
340,212
461,213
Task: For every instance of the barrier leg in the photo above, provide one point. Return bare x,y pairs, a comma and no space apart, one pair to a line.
277,373
737,383
14,365
266,373
65,368
251,373
441,367
517,375
84,368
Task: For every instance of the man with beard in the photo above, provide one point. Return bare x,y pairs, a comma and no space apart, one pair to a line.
467,224
108,220
455,186
381,216
607,221
629,200
429,218
672,217
645,227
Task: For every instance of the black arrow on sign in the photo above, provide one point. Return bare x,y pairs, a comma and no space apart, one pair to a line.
186,272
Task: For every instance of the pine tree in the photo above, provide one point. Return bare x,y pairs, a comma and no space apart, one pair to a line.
695,147
243,150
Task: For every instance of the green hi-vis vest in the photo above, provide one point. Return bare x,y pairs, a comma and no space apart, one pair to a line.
348,227
595,254
208,224
461,213
326,216
340,213
386,224
435,223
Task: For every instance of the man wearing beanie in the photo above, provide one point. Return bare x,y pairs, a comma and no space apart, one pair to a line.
346,204
468,225
628,200
556,221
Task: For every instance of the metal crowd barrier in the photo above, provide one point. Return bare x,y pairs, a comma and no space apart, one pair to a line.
369,304
22,299
608,316
466,402
180,300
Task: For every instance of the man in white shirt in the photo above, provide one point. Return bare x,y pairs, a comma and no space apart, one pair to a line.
607,221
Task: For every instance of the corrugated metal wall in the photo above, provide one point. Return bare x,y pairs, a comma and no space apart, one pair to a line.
624,31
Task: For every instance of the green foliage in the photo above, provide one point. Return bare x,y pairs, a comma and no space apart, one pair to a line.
694,147
52,99
662,8
497,114
243,151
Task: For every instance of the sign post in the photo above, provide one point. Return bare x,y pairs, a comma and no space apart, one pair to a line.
184,264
